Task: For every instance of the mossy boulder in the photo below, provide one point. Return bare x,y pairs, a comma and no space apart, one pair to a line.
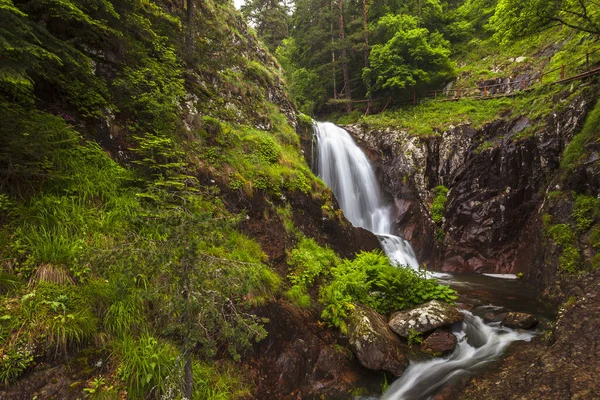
424,318
374,344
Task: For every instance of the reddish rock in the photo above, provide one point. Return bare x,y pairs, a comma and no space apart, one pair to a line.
439,343
518,320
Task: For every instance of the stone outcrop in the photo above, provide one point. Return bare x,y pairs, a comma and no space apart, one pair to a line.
374,344
424,318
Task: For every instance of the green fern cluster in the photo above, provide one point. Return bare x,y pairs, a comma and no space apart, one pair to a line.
370,279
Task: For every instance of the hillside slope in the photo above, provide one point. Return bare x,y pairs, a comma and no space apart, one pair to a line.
152,188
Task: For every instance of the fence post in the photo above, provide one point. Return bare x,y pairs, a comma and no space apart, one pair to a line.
524,84
562,72
458,93
435,94
484,90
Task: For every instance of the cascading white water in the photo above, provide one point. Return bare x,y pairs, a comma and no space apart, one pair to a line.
478,344
344,168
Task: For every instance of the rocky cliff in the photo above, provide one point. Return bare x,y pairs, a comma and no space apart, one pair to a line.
497,176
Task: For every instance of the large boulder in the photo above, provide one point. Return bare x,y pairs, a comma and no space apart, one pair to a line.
424,318
374,344
519,320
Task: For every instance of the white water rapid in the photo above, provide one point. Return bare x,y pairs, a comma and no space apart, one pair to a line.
345,169
478,344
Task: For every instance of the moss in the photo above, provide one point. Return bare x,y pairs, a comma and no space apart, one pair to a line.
438,206
586,210
575,149
570,260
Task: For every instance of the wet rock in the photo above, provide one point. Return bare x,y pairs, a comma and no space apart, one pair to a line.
519,320
425,318
439,343
490,313
374,344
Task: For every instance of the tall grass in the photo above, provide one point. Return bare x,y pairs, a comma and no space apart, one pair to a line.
145,365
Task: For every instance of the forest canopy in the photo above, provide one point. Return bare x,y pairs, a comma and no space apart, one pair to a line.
346,51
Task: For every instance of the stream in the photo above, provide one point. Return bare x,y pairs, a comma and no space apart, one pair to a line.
345,168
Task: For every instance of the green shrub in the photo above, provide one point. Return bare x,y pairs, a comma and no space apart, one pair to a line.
370,279
308,260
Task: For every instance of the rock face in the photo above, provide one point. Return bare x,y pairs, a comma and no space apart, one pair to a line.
425,318
496,175
439,343
519,320
300,360
374,344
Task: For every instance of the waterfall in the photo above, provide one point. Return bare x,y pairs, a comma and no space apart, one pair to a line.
345,168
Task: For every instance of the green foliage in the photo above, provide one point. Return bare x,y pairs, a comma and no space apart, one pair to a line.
99,390
309,261
370,279
414,337
575,149
515,18
14,360
218,383
125,316
438,206
411,56
270,19
570,258
146,363
586,210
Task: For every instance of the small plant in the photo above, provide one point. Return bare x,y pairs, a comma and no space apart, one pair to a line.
213,383
13,362
145,365
414,337
483,147
99,390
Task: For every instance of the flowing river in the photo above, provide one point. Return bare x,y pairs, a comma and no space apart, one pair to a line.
344,168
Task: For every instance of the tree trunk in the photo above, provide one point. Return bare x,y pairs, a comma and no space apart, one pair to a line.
188,386
344,60
190,27
332,50
366,51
